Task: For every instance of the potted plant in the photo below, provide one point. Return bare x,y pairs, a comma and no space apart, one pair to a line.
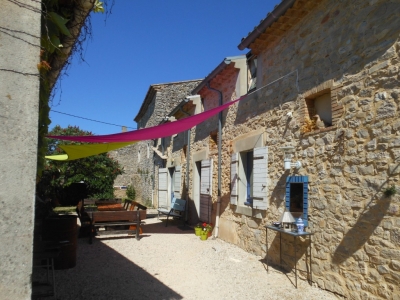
197,229
206,230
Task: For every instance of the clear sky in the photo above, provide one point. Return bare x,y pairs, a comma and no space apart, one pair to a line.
149,42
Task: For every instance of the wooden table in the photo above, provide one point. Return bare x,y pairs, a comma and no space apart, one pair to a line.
295,235
112,218
110,207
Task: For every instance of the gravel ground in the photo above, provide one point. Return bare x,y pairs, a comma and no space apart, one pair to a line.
171,263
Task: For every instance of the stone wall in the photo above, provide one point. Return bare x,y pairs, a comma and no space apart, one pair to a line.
19,108
356,245
140,162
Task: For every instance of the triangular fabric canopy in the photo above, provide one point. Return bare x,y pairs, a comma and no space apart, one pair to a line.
81,151
160,131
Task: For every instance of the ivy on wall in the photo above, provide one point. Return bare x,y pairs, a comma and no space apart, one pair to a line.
65,25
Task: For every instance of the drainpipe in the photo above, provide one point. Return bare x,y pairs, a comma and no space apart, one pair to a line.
163,145
219,158
187,165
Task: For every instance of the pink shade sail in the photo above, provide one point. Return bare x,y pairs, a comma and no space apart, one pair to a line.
160,131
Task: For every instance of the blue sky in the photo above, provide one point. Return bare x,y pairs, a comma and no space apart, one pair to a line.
149,42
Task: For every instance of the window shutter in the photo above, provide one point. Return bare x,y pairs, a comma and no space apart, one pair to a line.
206,177
287,197
162,187
177,182
260,178
206,190
305,200
234,178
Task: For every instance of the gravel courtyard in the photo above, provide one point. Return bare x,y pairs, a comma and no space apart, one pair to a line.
170,263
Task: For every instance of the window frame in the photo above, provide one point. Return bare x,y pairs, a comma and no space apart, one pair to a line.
258,179
298,179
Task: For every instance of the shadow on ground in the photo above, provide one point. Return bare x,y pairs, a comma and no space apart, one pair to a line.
103,273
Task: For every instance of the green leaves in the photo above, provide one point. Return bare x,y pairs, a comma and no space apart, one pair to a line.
98,7
98,172
60,23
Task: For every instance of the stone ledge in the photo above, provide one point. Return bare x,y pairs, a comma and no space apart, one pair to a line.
331,128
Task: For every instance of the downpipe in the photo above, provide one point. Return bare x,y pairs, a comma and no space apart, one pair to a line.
219,160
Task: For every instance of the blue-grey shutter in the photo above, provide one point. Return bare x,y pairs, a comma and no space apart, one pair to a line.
260,178
234,178
177,182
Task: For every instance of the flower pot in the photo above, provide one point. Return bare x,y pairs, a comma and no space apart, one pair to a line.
197,231
204,235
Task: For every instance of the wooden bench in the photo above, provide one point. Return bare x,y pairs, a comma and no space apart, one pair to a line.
115,218
177,210
133,205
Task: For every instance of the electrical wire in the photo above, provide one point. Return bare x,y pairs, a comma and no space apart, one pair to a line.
59,112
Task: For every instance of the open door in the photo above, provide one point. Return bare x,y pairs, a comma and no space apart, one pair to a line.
163,187
196,191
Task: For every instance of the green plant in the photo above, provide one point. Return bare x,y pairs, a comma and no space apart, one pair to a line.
390,191
64,209
207,227
59,177
131,192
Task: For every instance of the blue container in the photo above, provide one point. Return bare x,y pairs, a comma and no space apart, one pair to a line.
300,225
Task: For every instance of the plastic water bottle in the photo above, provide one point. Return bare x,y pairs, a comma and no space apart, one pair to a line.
300,225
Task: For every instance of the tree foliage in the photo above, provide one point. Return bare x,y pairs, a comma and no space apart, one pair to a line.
98,172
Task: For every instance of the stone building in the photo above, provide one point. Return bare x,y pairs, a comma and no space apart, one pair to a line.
141,160
334,97
322,93
200,185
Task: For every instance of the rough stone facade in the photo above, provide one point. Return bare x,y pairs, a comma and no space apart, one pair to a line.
19,109
139,160
356,246
349,50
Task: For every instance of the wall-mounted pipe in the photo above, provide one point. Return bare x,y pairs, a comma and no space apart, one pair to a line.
219,158
188,132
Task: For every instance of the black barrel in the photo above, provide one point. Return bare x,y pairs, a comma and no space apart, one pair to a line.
62,229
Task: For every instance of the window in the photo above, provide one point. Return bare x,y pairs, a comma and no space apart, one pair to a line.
297,197
320,111
249,178
247,163
252,71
